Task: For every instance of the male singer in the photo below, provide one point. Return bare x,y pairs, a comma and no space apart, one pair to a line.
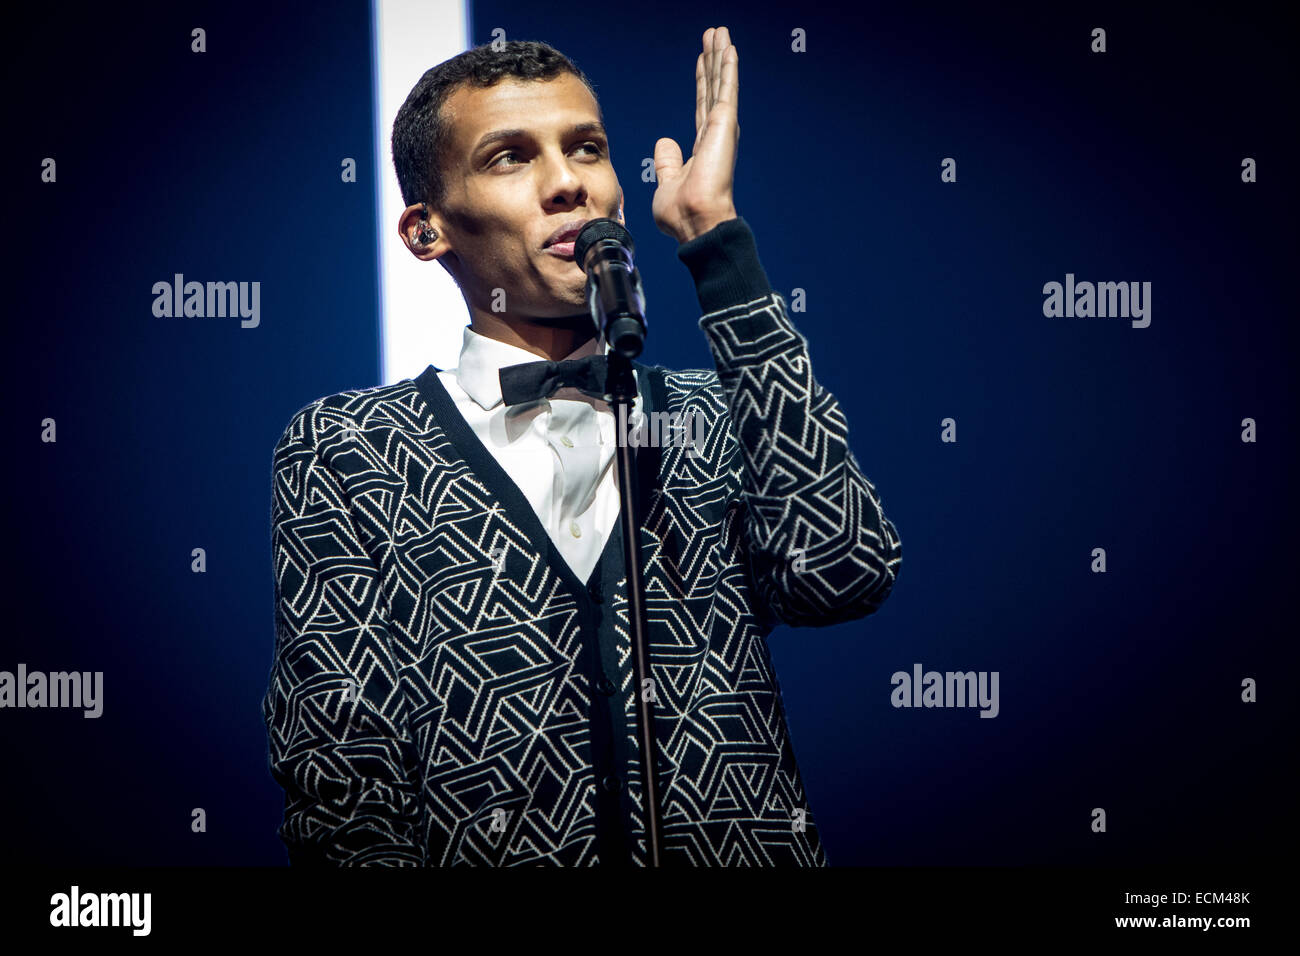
452,682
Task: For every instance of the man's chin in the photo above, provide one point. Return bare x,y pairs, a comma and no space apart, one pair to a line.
570,307
580,320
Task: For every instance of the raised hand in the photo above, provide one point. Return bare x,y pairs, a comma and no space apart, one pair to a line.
693,197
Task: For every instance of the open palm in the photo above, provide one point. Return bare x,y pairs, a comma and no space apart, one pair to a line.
694,196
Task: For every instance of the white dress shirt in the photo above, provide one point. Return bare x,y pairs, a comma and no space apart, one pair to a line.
559,451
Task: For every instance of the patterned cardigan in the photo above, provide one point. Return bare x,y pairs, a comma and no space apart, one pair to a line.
446,691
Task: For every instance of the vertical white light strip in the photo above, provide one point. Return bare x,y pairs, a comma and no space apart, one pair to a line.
422,313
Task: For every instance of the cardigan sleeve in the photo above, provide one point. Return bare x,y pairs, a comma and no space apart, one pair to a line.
335,713
821,550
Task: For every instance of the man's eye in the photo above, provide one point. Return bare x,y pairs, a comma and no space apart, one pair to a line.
593,147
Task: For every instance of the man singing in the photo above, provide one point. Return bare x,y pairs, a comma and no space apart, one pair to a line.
452,682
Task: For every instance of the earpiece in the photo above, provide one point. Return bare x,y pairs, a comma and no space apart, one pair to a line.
426,234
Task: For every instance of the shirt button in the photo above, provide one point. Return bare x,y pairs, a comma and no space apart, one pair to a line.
610,783
605,686
574,529
568,442
594,591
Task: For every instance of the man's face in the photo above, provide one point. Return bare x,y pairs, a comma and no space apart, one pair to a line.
507,194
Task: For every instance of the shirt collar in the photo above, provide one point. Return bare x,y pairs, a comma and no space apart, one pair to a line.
482,358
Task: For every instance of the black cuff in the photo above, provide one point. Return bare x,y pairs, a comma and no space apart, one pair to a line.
724,263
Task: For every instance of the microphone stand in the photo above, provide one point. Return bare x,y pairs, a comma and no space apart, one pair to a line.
617,307
622,387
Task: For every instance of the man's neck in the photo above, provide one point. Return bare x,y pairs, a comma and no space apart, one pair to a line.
552,342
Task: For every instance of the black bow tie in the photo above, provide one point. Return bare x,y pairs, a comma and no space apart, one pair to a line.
530,381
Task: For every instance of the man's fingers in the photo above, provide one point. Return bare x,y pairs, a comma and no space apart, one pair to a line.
701,95
708,63
729,89
716,76
721,40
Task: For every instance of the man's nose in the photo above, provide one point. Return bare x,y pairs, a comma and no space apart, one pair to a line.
560,181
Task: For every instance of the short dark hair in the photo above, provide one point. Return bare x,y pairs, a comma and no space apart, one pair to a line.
419,132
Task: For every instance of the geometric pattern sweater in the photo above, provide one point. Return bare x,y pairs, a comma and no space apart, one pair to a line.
445,691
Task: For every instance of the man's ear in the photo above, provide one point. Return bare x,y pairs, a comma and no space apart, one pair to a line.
421,230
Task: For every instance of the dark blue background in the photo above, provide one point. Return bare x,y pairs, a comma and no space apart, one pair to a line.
1118,690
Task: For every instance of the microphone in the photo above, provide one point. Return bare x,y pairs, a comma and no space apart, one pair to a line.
603,248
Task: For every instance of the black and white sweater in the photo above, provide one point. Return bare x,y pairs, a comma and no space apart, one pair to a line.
445,691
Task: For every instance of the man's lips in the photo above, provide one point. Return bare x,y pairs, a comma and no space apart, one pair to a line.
566,233
561,250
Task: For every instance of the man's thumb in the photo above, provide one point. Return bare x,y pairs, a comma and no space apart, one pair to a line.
668,157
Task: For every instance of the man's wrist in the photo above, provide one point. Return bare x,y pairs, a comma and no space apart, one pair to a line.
725,265
701,223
